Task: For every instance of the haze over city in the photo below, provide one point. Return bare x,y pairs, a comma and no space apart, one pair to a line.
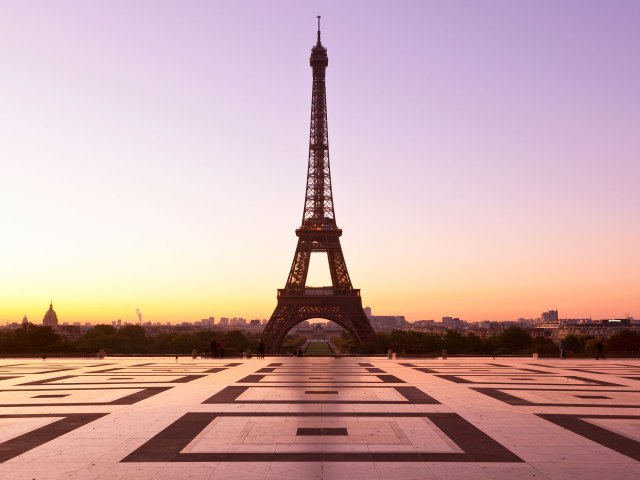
484,156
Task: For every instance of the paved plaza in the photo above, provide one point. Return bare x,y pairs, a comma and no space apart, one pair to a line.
312,418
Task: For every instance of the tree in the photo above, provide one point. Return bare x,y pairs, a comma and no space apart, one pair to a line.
236,339
133,338
32,338
515,339
627,341
573,344
97,338
474,344
182,343
454,342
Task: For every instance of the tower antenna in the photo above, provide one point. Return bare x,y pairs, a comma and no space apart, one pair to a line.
318,29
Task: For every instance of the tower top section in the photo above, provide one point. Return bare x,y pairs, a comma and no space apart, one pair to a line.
319,53
318,204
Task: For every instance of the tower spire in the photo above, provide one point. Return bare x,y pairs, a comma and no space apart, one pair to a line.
318,204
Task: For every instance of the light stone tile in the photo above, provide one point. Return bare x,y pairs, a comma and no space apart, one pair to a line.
349,471
295,471
403,471
240,471
458,471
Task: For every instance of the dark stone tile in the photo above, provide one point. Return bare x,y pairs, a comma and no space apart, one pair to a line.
412,395
321,432
390,379
416,396
561,380
167,445
226,395
576,423
595,397
251,379
502,395
324,392
52,381
126,400
28,441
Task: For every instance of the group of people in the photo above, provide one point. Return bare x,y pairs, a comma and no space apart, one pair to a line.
217,349
298,352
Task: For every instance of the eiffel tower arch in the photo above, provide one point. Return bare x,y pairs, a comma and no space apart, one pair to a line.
340,302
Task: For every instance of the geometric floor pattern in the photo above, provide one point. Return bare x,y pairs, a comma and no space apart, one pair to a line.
314,418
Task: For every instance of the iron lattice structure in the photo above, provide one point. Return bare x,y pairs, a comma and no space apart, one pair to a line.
340,302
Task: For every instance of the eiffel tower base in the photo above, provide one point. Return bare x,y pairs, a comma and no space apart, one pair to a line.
345,310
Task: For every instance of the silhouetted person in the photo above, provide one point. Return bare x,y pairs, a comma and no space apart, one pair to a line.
600,349
561,345
214,349
221,349
260,349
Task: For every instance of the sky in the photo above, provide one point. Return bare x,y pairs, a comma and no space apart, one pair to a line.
485,156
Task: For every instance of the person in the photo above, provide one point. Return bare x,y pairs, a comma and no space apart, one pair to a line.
214,348
561,345
600,349
260,349
221,349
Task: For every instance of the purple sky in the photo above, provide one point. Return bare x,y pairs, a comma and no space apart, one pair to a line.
485,155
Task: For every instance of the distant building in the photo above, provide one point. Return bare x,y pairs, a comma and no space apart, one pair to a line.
25,320
453,323
207,322
224,321
385,322
550,317
50,318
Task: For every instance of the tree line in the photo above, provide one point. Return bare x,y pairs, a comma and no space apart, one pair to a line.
128,339
511,341
133,339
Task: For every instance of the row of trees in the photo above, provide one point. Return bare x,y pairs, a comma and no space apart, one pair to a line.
133,339
513,340
129,339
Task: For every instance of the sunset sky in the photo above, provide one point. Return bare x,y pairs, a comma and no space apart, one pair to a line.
485,156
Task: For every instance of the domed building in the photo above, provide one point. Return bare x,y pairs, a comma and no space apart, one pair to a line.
25,320
50,318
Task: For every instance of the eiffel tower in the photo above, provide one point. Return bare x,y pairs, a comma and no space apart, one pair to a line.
340,303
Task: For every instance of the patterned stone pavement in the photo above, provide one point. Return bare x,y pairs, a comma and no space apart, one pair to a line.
313,418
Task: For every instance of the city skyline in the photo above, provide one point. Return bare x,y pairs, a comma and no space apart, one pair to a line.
484,157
